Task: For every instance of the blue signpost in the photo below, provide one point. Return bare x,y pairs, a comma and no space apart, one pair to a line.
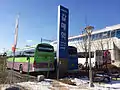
62,39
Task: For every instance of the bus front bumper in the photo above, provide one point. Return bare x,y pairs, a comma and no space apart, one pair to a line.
41,69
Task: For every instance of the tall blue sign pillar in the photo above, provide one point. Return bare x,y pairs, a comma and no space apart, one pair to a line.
62,41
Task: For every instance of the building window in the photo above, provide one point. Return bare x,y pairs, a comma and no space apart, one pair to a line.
69,40
77,39
118,33
96,36
105,35
113,33
84,38
93,37
100,36
108,34
80,38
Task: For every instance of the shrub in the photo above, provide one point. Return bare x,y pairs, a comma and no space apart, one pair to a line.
111,68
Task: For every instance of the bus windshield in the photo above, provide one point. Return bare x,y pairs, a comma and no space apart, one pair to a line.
85,54
45,48
72,51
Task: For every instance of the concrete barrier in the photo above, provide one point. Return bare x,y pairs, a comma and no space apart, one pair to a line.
40,78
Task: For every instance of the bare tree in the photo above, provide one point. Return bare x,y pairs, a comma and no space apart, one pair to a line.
84,46
103,44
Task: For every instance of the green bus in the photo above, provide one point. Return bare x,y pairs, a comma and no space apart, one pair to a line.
41,58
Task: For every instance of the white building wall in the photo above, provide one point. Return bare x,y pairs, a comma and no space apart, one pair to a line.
104,44
111,44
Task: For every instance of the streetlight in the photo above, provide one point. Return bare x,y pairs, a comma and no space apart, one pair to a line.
89,31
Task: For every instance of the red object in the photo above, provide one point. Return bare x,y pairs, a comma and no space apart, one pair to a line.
15,37
13,48
105,53
34,64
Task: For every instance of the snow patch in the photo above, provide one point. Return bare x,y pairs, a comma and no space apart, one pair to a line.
82,83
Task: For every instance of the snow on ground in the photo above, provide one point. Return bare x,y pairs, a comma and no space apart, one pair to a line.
81,84
80,81
43,85
48,84
114,85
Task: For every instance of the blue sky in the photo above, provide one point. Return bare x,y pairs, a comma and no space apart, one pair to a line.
38,18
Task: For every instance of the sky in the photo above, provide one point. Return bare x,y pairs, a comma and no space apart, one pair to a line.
38,18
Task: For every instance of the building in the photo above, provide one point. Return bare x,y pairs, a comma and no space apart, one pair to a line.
107,38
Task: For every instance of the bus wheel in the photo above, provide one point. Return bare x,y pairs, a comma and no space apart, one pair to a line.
21,69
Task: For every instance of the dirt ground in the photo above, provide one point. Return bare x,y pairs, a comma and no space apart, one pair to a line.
3,73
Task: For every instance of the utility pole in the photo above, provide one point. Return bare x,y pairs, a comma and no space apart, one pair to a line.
15,42
28,58
41,40
89,31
